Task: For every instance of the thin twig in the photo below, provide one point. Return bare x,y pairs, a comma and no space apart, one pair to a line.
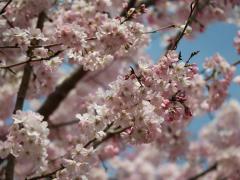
208,170
46,175
8,22
191,56
193,11
36,46
48,46
32,61
95,143
9,47
59,125
4,7
236,63
95,139
215,72
108,136
198,9
160,29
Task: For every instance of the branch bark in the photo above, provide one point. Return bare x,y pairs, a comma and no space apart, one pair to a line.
208,170
55,98
32,61
5,6
59,125
192,16
21,96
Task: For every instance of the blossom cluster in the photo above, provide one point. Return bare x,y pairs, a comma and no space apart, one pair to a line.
218,87
153,103
237,42
217,147
140,99
22,37
21,12
103,48
27,140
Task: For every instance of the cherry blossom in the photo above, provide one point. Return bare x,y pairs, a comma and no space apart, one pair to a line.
81,98
28,139
237,42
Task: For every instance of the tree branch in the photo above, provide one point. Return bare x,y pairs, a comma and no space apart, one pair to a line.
21,96
9,47
55,98
46,175
4,7
208,170
59,125
193,13
32,61
109,136
195,9
95,144
235,63
8,22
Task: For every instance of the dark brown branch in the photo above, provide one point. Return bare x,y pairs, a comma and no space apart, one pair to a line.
59,125
21,96
195,9
235,63
23,87
8,22
14,65
48,46
46,175
9,47
40,22
208,170
91,38
95,139
19,105
36,46
193,13
55,98
10,167
5,6
32,61
49,57
160,29
109,136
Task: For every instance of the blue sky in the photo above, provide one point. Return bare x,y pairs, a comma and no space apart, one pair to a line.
218,38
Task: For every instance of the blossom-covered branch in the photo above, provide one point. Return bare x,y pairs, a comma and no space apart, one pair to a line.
21,96
32,60
194,10
208,170
196,7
